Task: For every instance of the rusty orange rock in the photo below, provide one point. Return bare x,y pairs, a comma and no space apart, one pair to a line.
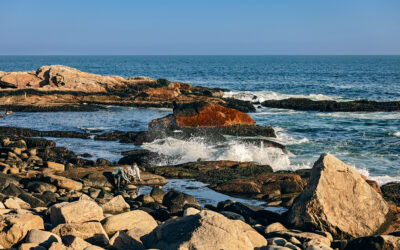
213,115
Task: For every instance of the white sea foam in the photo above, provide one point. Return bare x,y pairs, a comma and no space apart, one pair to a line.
261,96
363,115
381,179
287,139
397,134
194,149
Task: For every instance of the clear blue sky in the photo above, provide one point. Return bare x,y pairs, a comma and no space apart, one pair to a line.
159,27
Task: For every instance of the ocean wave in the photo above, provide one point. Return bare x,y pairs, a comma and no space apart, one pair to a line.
380,179
397,134
195,149
260,96
287,139
363,116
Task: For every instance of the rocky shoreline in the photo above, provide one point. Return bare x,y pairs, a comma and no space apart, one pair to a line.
52,198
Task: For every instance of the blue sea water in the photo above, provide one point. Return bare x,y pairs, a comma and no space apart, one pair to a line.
369,142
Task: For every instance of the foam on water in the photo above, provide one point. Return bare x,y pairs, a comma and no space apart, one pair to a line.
194,149
382,179
261,96
287,139
363,115
397,134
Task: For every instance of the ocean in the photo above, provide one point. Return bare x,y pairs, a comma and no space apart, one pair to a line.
369,142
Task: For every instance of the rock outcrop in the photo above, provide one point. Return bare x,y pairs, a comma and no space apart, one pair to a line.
333,106
57,88
337,199
205,230
74,212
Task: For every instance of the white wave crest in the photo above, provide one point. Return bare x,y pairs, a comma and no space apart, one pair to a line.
287,139
194,149
397,134
380,179
261,96
363,115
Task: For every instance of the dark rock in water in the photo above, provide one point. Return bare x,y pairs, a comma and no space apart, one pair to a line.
266,143
391,192
160,214
103,162
333,106
124,137
242,106
39,143
268,217
241,209
143,157
374,243
179,199
157,194
25,132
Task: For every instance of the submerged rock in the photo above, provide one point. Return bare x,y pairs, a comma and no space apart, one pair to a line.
338,200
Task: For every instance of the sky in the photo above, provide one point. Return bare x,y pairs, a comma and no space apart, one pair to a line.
203,27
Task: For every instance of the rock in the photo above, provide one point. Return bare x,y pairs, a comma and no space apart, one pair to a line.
116,205
241,209
190,211
56,166
327,205
42,238
32,200
194,232
62,182
75,242
75,212
232,215
374,242
41,187
274,227
30,246
122,240
129,220
145,199
157,194
16,203
333,106
278,241
13,190
178,199
303,237
14,227
91,231
209,115
58,246
391,192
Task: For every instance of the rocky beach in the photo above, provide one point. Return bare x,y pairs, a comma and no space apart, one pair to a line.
52,197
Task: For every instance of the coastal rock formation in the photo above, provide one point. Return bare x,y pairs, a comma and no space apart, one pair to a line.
209,121
333,106
78,211
337,199
205,230
57,87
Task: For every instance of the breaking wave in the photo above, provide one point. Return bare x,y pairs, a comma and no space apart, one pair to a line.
196,149
260,96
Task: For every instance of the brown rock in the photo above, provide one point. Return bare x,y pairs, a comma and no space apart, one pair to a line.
75,242
16,203
92,232
338,200
116,205
63,182
211,115
122,241
77,211
42,238
205,230
56,166
14,227
129,220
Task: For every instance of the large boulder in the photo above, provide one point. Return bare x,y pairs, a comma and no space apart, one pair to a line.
337,199
387,242
129,220
205,230
63,182
75,212
91,232
14,227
